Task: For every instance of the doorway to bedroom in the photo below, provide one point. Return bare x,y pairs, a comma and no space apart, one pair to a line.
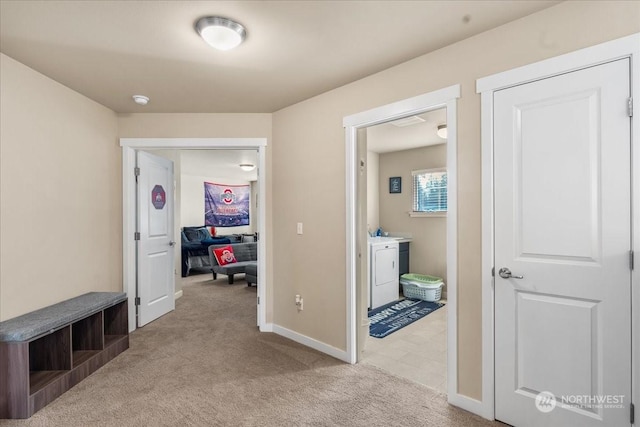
204,218
197,163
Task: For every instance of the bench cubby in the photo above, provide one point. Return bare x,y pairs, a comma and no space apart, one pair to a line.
48,351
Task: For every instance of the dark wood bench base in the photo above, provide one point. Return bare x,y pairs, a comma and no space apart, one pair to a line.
37,370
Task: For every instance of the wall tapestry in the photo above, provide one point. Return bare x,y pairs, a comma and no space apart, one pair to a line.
226,205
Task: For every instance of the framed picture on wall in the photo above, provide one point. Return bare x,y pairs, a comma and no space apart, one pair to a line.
395,184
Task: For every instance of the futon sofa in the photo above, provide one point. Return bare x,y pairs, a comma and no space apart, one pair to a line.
246,255
194,243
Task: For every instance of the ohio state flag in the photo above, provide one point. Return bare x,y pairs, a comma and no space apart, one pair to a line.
226,205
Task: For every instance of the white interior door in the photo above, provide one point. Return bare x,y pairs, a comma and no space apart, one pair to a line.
563,222
155,254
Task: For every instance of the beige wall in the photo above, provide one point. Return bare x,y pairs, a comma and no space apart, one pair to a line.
205,125
254,212
373,191
309,169
428,249
60,193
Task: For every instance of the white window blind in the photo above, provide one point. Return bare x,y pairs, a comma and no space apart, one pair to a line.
430,190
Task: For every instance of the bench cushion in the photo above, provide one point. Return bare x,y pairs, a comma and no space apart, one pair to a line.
36,323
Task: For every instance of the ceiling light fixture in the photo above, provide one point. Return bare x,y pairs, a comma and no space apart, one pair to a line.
141,99
442,131
247,167
220,33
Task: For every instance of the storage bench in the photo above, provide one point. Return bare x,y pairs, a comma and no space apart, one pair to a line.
46,352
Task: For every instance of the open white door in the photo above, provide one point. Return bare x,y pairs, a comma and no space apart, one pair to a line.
562,250
156,244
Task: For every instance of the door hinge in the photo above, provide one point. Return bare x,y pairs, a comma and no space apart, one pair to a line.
631,259
258,300
630,106
632,413
137,301
136,235
493,272
136,172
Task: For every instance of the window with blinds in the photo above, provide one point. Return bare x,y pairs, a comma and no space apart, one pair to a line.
430,190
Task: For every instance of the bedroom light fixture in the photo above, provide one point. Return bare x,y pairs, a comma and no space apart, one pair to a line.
141,99
220,33
442,131
247,167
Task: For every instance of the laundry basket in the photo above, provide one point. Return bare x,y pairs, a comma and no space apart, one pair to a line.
421,286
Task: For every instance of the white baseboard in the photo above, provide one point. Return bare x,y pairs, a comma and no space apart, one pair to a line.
178,294
267,327
472,405
310,342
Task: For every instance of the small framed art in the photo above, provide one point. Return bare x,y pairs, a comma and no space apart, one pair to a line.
395,184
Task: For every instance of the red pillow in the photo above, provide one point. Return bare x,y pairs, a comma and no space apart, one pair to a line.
224,255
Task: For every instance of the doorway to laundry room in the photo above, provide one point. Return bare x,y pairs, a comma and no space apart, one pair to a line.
406,261
359,297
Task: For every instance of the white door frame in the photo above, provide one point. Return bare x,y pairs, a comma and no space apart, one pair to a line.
626,47
446,97
129,147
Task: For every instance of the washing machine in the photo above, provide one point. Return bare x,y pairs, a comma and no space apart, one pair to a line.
383,271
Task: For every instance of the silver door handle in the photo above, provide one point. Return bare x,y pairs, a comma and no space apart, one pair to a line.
172,243
505,273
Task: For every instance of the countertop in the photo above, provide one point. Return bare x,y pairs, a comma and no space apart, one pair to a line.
390,238
403,239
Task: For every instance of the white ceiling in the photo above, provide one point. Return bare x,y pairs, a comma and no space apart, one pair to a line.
111,50
387,137
219,163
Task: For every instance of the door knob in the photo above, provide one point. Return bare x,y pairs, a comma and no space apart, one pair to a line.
505,273
172,243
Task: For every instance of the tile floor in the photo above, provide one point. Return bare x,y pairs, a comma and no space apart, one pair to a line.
417,352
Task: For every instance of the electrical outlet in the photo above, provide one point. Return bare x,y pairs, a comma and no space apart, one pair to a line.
299,303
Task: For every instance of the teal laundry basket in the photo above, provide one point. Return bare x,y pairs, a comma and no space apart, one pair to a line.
421,286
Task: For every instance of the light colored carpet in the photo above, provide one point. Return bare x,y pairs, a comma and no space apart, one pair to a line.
206,364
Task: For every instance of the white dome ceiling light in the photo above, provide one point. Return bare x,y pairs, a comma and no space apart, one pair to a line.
221,33
141,99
